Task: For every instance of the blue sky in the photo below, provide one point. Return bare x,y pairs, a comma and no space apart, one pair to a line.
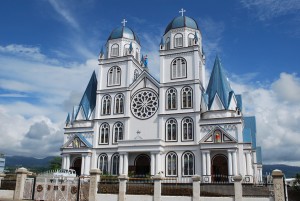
49,49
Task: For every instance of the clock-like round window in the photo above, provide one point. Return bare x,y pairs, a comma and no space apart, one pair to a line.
144,104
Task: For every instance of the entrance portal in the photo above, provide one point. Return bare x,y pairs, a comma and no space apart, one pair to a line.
142,165
77,166
219,168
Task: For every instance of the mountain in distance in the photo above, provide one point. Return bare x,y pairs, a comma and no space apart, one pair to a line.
289,171
27,162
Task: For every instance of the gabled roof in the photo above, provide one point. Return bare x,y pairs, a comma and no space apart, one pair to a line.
218,84
250,124
258,155
88,100
239,101
77,141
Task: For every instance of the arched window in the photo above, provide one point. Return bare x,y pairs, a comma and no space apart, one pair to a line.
136,74
188,164
118,132
114,50
119,104
168,46
191,39
103,163
106,103
178,40
171,130
171,99
187,127
114,76
126,49
104,133
115,164
178,68
187,97
137,54
171,164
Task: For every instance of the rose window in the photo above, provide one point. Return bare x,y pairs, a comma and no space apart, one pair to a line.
144,104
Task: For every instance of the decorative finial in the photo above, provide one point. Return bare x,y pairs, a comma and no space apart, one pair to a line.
182,11
124,22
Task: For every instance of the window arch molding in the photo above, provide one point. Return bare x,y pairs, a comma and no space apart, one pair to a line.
171,130
188,163
102,163
119,103
106,104
168,44
178,68
171,164
115,164
178,40
114,50
187,129
191,39
118,132
104,133
186,97
114,76
126,49
171,99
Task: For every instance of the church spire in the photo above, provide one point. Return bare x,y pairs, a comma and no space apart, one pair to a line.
218,84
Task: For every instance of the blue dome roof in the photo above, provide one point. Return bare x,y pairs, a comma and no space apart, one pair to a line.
182,21
123,32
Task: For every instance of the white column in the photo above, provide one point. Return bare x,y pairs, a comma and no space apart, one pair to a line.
82,164
230,163
68,161
63,162
125,168
157,163
87,164
234,169
208,168
152,164
121,164
249,168
204,163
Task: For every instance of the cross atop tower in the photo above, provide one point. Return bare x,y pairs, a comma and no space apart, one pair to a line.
182,11
124,22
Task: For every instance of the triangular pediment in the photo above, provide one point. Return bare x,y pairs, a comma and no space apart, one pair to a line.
77,142
218,135
232,103
217,103
145,80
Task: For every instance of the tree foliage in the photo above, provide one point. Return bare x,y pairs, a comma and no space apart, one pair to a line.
55,163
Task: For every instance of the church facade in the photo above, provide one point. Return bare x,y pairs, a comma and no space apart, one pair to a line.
129,123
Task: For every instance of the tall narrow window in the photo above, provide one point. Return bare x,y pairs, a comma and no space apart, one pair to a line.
178,68
171,99
136,74
191,39
114,50
187,129
115,164
104,133
171,166
118,132
188,164
171,130
114,76
187,97
178,40
119,104
106,104
103,163
137,54
168,46
126,49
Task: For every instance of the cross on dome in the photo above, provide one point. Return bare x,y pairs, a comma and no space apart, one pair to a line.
182,11
124,22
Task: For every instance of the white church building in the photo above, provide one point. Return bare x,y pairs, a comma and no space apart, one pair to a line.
130,123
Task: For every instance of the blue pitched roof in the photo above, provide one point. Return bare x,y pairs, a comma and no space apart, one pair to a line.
258,155
239,101
218,84
247,138
250,123
88,100
182,21
123,32
80,136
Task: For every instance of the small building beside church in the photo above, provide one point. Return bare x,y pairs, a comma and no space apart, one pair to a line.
2,163
130,123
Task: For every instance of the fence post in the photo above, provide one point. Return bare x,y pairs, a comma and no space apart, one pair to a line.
196,187
20,183
1,177
122,187
278,185
94,179
238,191
157,187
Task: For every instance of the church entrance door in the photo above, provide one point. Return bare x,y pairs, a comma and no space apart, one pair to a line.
219,168
142,165
77,166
